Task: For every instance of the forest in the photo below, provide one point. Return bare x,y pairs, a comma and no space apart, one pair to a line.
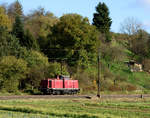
40,45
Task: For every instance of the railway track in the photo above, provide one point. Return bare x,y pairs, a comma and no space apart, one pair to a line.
71,96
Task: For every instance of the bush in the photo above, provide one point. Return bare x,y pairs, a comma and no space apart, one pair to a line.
12,70
131,87
127,86
106,84
106,78
112,53
120,78
34,77
87,82
115,88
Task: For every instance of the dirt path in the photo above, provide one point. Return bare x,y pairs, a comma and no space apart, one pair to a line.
70,96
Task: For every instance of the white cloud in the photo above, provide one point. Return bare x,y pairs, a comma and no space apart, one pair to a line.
146,25
144,2
147,2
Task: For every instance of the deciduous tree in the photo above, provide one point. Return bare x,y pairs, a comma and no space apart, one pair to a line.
39,22
4,20
12,70
130,26
73,38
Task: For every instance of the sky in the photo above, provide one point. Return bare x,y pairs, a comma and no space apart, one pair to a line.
119,9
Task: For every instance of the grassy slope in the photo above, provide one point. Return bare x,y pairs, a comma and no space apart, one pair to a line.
141,80
78,108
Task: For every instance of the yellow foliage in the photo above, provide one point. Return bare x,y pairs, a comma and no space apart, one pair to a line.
4,20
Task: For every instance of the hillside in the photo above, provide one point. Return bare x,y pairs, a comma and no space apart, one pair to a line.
117,75
40,45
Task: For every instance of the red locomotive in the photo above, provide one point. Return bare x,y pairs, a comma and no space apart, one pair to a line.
59,86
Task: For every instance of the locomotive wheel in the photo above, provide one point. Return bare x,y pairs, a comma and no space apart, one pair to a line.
62,93
58,92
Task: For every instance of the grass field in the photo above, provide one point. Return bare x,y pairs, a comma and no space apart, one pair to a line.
6,114
75,108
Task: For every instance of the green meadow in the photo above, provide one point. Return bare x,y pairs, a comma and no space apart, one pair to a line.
75,108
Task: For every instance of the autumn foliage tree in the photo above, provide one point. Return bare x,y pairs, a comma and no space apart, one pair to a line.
39,22
4,20
14,9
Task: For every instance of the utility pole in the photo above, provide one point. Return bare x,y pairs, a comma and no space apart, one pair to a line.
61,66
98,61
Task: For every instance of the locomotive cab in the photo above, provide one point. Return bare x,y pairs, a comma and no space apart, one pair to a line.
64,77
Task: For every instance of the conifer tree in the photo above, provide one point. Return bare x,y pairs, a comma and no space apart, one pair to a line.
9,45
101,18
18,30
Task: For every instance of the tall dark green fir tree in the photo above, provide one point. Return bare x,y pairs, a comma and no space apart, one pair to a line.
18,30
9,45
101,18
